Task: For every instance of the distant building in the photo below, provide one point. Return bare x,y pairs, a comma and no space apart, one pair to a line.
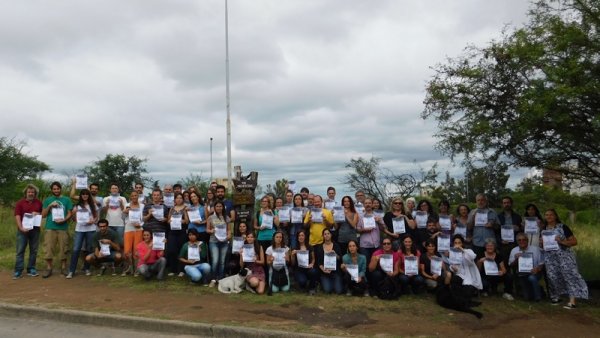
552,178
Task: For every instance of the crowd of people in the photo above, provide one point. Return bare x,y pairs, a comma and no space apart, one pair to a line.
303,240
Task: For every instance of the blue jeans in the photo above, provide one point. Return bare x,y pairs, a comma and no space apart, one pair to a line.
218,251
530,286
306,278
78,246
197,271
32,237
332,282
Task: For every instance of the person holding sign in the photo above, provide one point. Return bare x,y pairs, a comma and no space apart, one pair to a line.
278,259
133,230
193,257
408,267
431,265
149,261
297,216
561,264
369,228
484,222
256,280
94,188
57,210
347,226
529,280
533,214
465,270
384,264
509,220
86,216
219,240
432,231
27,235
197,216
461,226
316,223
283,212
354,266
396,222
178,221
446,220
328,258
264,223
232,267
303,261
107,247
155,214
493,271
114,206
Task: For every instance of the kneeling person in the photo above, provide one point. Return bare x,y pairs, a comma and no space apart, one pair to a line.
107,247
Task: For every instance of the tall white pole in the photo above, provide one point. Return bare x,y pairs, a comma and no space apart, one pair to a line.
227,97
211,163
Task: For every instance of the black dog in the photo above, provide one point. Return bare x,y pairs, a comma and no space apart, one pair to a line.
457,297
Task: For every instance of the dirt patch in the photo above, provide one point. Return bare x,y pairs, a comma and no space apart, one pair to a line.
323,314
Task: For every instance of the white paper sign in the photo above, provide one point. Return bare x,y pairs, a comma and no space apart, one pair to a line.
297,215
267,220
490,267
549,238
435,265
386,262
352,271
455,256
237,244
481,218
421,219
443,242
507,233
292,186
30,221
411,265
531,225
248,253
58,213
338,214
193,253
369,222
526,262
104,249
445,222
169,200
279,257
176,221
302,258
158,241
360,209
284,214
460,230
135,216
378,213
81,181
316,215
399,226
194,215
158,212
114,202
221,232
329,205
330,260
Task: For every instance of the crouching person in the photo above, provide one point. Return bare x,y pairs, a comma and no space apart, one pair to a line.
107,248
193,257
149,261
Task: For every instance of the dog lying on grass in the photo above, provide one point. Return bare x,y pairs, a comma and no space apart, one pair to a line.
235,283
457,297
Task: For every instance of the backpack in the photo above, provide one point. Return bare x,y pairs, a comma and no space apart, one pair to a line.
388,289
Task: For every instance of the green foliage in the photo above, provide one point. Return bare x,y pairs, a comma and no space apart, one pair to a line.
195,180
16,167
279,189
119,169
531,98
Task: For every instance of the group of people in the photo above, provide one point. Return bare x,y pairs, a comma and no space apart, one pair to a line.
351,246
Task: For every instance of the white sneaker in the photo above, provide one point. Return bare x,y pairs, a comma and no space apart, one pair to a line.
212,283
171,274
508,296
181,274
69,275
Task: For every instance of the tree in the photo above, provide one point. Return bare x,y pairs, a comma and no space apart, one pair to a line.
383,183
279,189
118,169
196,180
531,99
15,167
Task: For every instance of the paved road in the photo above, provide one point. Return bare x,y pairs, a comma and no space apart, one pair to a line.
12,327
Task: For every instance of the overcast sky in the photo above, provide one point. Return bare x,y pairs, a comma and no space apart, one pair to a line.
314,83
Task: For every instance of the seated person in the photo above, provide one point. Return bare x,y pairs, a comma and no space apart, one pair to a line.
355,286
491,281
193,256
409,280
149,261
379,272
529,281
107,247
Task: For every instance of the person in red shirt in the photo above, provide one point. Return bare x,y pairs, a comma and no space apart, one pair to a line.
26,210
150,261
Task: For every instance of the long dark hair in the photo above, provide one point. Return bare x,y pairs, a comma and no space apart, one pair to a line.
223,213
537,211
413,247
308,247
352,208
91,201
282,239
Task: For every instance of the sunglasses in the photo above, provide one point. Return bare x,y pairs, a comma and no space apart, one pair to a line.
386,243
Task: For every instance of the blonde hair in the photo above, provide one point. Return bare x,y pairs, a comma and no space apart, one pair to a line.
31,186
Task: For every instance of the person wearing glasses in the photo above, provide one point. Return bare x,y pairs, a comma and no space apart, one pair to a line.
378,271
397,211
529,281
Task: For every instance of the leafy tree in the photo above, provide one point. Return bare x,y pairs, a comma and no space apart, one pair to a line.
383,183
119,169
531,98
197,181
278,189
15,167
